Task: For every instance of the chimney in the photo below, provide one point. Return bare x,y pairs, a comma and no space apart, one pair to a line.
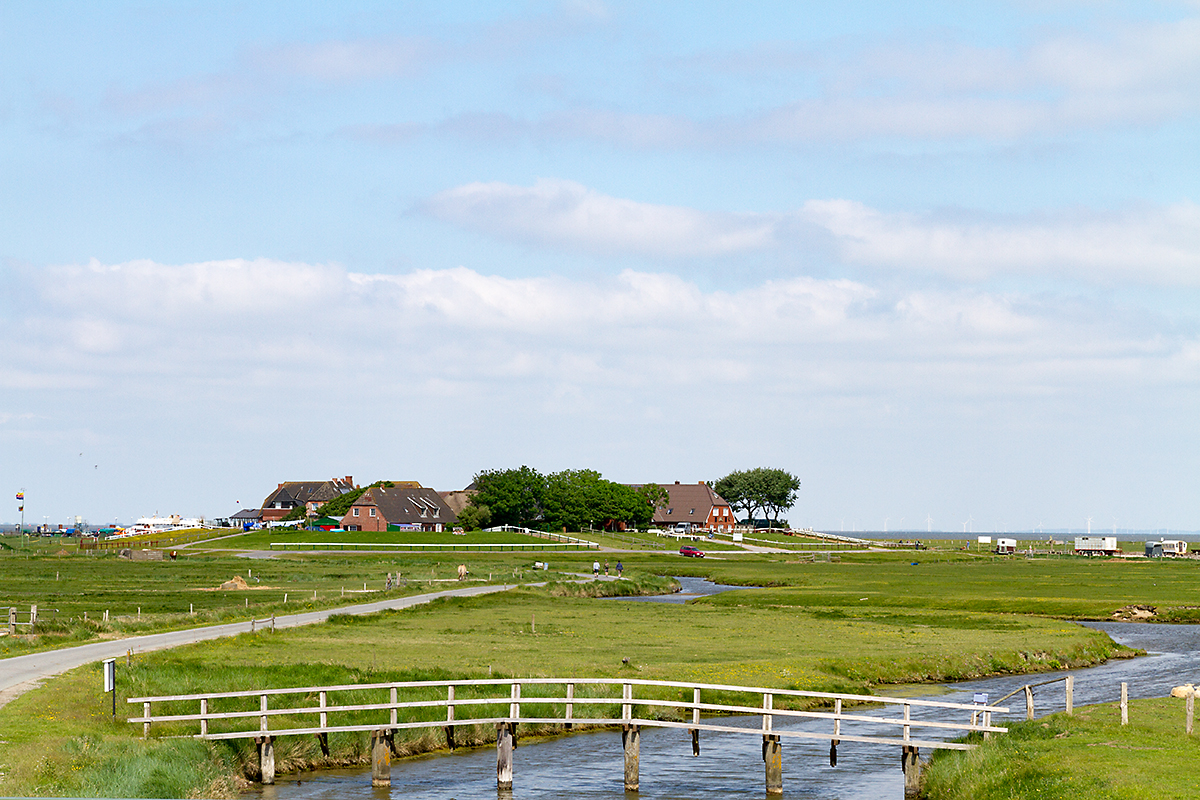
280,486
349,480
676,483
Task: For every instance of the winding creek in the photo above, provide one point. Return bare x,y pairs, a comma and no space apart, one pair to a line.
590,765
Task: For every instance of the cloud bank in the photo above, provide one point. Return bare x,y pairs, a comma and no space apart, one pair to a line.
1153,245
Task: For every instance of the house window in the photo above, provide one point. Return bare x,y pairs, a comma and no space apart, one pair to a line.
356,512
670,511
693,511
372,512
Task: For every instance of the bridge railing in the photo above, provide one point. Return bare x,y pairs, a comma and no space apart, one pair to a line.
408,704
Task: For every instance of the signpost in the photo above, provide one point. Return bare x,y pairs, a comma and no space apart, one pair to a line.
110,682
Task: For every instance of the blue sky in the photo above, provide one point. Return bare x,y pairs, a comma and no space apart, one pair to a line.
939,260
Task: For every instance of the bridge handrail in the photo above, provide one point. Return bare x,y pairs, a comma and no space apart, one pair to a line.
863,698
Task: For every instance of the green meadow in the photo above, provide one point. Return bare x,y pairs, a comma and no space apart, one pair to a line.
847,621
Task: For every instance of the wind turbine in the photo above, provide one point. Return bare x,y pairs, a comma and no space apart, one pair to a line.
1089,522
970,527
928,523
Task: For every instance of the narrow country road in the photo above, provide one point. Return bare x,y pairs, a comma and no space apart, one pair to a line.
22,673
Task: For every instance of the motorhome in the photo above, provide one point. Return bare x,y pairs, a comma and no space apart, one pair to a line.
1006,546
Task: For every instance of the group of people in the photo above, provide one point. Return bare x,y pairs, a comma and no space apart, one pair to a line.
596,568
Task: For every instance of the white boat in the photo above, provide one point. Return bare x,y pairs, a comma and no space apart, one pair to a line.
157,524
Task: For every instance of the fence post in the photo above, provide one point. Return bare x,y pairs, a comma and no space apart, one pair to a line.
626,707
204,716
262,711
570,705
514,708
631,739
381,759
12,620
911,764
450,716
1028,702
392,697
504,748
1124,703
1070,695
773,758
1191,708
146,717
696,722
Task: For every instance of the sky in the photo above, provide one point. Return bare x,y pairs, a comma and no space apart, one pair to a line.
941,261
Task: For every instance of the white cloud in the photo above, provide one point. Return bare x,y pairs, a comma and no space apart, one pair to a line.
568,213
344,60
1151,245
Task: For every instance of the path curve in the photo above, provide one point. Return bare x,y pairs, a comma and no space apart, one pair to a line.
19,674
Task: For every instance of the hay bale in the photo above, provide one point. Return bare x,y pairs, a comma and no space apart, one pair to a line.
236,583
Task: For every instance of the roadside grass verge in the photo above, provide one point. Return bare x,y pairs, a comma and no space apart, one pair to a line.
1090,755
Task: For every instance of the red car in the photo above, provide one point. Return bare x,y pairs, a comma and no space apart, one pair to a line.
688,550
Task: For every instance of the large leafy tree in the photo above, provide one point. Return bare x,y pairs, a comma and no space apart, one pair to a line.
763,489
513,496
579,498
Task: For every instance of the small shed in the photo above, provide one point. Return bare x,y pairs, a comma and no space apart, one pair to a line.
1006,546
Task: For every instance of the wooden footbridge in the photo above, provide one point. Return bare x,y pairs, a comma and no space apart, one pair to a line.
383,709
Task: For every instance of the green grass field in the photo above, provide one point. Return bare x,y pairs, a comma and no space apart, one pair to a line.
867,619
1090,755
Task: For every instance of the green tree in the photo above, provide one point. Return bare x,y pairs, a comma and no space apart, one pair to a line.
513,496
763,489
655,496
474,517
576,498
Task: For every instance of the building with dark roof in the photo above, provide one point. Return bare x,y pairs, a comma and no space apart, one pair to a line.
696,504
310,494
399,508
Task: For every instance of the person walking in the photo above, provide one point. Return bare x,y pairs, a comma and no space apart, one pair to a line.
595,569
606,567
620,569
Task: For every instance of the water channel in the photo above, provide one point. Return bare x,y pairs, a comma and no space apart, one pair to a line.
590,766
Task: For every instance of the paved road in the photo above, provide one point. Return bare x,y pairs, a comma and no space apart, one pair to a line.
22,673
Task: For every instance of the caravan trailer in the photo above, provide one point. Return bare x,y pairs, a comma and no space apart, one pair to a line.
1174,547
1096,545
1006,546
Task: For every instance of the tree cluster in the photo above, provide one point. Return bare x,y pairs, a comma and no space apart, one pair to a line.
760,490
575,499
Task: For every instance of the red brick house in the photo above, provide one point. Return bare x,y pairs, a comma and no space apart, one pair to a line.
697,504
400,507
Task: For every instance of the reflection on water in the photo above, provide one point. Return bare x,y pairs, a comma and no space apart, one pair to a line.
689,588
591,765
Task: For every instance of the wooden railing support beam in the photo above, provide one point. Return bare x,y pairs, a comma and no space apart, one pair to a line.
504,752
266,760
631,739
911,764
773,756
381,757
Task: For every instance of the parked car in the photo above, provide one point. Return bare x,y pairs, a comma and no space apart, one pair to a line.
689,550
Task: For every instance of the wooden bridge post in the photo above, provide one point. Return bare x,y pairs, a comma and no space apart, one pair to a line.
1028,702
381,758
570,706
450,716
1070,695
1124,703
266,760
773,756
911,764
631,739
504,762
1191,710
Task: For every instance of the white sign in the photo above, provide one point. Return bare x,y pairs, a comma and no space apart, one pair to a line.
737,536
985,540
110,674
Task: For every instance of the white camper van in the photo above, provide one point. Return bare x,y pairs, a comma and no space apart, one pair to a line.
1006,546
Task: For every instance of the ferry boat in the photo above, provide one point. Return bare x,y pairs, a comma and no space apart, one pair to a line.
157,524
